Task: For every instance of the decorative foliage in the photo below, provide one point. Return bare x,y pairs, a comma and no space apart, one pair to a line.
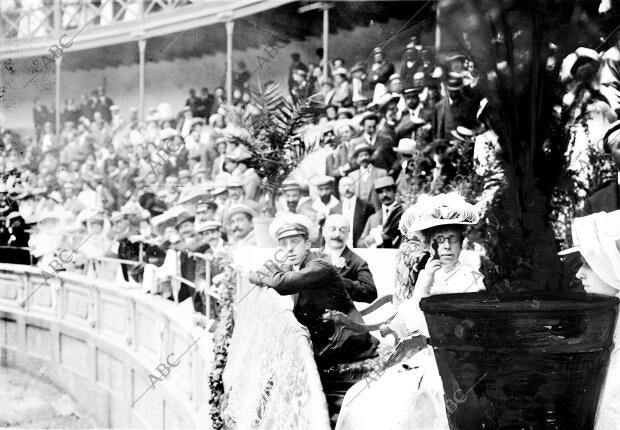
277,132
221,343
510,42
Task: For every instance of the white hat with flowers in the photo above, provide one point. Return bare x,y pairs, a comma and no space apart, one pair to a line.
434,211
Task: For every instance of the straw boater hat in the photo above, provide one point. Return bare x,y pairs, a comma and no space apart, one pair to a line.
384,182
290,225
236,209
462,134
597,238
321,180
435,211
208,225
290,184
362,147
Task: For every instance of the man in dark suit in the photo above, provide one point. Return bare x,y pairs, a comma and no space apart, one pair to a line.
381,230
354,269
316,287
355,210
608,198
416,120
454,110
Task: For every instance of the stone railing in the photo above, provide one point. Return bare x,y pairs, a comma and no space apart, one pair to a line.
132,360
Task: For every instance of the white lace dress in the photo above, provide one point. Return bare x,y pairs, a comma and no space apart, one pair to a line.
408,395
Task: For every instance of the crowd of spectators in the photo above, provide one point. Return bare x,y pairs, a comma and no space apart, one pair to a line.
140,188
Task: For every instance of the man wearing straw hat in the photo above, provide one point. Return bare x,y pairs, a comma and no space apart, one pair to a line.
316,287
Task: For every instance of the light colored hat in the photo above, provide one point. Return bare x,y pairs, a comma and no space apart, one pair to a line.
114,107
167,133
236,209
340,71
290,184
386,99
320,180
183,173
394,77
462,134
484,103
208,225
362,147
218,188
434,211
384,182
234,182
406,146
597,238
358,97
290,225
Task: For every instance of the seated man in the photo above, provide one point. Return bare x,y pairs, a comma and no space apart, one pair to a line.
354,270
317,287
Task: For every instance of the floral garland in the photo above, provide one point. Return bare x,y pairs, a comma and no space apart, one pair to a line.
221,341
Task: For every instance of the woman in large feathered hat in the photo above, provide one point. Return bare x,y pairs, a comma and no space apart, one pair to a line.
409,395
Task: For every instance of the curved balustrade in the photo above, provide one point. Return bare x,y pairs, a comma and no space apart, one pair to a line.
86,24
104,346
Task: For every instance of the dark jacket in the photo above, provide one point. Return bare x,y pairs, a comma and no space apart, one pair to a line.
390,228
319,287
357,277
604,200
363,210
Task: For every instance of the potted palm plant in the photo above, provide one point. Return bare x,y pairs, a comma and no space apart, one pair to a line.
279,133
525,354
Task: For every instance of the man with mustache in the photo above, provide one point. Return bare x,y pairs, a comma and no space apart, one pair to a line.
355,210
381,230
239,224
354,269
317,287
364,177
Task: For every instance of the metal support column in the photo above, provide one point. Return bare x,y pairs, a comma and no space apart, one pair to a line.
142,49
229,47
325,41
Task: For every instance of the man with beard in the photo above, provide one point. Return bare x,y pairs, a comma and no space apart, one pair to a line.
236,193
317,287
381,230
188,245
354,210
364,177
319,208
354,269
238,221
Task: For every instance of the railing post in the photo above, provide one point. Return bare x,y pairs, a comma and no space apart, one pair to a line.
58,32
325,41
230,25
142,49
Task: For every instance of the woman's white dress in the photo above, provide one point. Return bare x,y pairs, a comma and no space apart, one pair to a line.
608,417
408,395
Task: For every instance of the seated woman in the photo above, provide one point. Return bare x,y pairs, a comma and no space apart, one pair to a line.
409,394
597,238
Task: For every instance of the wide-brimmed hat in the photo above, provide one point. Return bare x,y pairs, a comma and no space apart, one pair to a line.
462,134
406,146
208,225
340,71
236,209
218,188
290,225
362,147
612,132
384,182
597,238
320,180
234,182
386,99
348,112
456,56
439,210
584,56
358,67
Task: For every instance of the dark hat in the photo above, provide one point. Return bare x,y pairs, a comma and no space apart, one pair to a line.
454,81
183,220
152,204
369,115
585,56
456,56
409,91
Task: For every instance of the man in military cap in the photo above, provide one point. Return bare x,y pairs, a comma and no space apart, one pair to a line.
381,230
316,287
